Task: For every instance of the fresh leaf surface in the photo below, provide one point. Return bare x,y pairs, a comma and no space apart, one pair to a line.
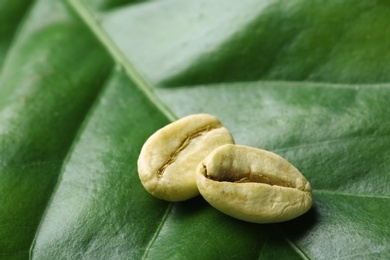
84,83
11,13
44,95
229,41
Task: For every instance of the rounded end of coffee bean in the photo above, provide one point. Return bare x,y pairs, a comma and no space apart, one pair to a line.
169,189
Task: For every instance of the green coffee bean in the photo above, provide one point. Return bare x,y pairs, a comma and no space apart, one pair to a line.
168,159
253,185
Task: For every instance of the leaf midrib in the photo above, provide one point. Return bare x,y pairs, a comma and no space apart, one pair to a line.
86,15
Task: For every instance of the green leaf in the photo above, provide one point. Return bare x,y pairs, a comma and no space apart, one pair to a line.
11,12
84,83
45,94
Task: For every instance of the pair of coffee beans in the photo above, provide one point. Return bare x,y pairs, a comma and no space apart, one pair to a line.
197,154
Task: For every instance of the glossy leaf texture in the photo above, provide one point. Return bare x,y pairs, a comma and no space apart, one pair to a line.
84,83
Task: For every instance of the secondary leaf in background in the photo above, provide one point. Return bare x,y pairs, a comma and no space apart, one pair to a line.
176,42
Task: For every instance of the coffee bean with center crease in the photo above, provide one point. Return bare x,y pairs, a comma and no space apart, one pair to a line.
168,159
253,184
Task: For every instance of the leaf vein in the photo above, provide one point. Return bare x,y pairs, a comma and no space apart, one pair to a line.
65,161
351,194
87,16
158,230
